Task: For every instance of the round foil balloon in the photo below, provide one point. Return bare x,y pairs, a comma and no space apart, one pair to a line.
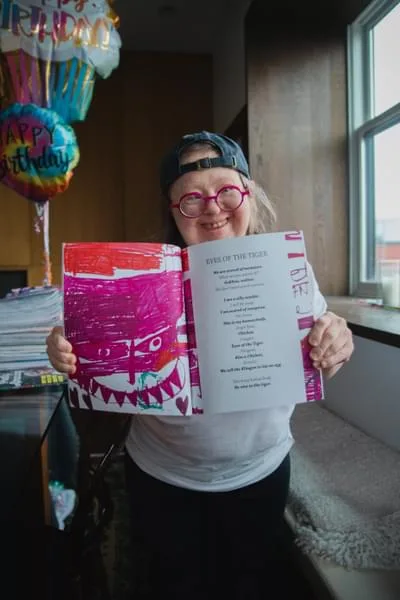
38,152
52,51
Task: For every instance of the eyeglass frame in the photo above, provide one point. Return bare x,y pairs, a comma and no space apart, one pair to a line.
206,199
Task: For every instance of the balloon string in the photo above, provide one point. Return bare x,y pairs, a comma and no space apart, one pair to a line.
42,224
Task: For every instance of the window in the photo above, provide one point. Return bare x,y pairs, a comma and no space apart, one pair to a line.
374,152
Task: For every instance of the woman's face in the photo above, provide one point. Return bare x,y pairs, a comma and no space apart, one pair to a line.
214,223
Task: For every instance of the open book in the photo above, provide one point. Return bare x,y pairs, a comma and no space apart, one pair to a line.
217,327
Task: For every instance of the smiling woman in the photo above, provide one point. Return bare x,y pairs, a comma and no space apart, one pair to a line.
189,477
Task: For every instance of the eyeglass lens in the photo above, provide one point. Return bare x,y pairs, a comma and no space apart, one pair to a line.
228,199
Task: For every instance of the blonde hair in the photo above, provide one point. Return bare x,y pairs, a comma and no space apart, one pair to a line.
262,212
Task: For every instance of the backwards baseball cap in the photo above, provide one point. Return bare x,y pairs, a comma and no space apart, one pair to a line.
230,155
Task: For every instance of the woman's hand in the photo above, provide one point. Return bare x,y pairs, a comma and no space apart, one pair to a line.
332,343
59,351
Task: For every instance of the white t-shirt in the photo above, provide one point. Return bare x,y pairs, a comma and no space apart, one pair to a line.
215,452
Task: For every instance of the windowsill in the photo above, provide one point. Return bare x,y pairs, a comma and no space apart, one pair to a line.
368,321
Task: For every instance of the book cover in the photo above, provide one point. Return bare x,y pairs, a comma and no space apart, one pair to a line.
30,378
217,327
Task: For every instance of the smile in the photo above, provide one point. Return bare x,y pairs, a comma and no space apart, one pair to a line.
212,226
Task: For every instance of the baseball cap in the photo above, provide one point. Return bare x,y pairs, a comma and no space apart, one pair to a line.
230,155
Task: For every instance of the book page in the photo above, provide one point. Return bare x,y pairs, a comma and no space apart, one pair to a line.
197,406
124,316
252,304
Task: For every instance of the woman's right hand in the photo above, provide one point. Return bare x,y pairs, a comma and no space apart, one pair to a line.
59,351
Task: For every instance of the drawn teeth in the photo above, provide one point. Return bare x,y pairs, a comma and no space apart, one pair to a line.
165,394
133,397
83,382
175,379
144,397
88,401
106,393
120,398
167,389
172,385
94,386
155,395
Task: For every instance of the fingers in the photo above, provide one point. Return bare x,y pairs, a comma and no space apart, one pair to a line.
57,340
64,363
336,356
326,332
320,326
332,341
59,351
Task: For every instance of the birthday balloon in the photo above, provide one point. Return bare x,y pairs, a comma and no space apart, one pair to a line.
38,151
53,50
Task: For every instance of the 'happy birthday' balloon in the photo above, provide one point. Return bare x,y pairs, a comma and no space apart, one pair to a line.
38,152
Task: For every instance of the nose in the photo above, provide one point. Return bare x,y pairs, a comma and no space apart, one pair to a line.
211,207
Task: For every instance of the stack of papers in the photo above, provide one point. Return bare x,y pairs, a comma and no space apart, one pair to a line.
26,317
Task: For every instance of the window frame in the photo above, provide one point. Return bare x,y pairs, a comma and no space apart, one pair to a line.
362,126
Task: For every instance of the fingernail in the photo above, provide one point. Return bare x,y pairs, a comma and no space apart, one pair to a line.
316,365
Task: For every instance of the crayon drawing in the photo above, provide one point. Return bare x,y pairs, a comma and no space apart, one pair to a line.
302,291
124,316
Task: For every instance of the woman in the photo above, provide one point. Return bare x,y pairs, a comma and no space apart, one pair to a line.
208,493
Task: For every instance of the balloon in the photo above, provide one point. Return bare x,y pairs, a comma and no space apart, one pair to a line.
38,151
66,87
52,51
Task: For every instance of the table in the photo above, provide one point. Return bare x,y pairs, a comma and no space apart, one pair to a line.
38,445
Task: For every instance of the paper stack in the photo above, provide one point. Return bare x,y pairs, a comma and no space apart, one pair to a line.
26,317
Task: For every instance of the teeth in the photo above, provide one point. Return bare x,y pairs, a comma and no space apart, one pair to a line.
175,379
94,386
120,397
83,381
154,400
133,398
156,395
166,390
106,393
214,225
166,387
74,398
88,401
144,397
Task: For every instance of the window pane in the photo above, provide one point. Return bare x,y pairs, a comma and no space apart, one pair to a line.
386,53
386,191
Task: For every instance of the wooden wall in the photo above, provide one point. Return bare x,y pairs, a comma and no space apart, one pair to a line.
297,119
136,114
173,96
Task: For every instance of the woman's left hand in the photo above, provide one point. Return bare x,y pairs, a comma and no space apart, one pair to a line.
332,343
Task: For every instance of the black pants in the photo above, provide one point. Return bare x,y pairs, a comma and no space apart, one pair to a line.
195,542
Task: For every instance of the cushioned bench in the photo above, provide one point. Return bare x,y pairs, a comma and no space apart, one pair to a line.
344,507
